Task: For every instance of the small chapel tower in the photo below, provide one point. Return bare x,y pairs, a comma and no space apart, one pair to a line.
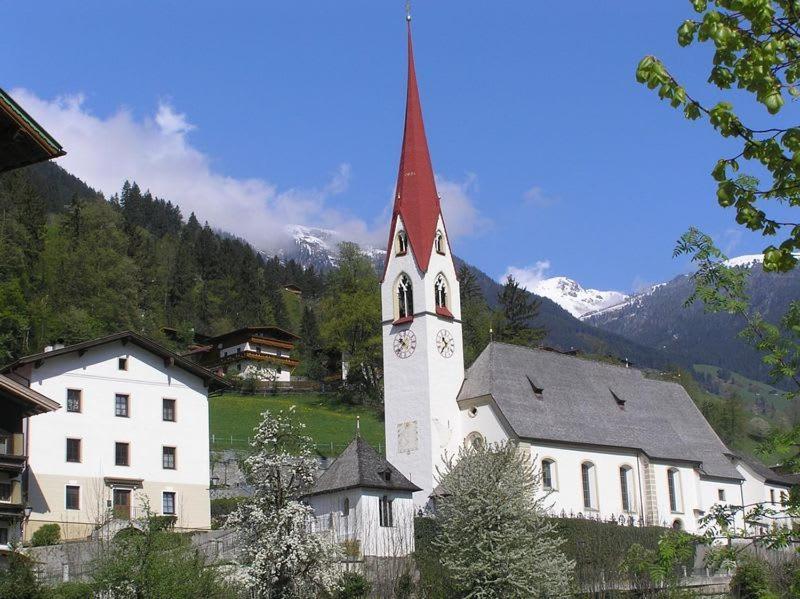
423,356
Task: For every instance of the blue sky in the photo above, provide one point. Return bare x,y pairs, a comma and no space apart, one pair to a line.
254,114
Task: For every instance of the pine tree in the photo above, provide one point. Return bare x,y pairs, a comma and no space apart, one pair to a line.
517,309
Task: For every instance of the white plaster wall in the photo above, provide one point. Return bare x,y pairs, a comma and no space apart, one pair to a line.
756,490
147,381
421,390
363,521
257,369
483,420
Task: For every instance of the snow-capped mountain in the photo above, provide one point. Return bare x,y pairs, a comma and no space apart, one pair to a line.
575,299
313,246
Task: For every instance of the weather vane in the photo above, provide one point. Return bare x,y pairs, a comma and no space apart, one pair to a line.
408,10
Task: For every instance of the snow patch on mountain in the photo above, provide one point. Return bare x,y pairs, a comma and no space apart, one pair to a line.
317,247
574,298
746,261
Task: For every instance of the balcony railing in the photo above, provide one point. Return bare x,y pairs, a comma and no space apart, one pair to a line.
10,492
11,444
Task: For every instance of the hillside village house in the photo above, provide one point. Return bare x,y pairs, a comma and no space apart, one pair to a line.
132,427
610,442
17,404
263,353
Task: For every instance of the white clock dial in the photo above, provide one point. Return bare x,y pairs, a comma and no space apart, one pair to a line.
445,343
405,342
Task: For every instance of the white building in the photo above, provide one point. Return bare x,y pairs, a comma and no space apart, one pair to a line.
610,441
365,504
132,428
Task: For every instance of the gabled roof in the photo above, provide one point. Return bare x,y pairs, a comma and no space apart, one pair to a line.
170,358
30,402
577,405
22,140
768,474
416,199
361,467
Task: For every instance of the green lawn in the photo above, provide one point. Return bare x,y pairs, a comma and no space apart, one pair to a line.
332,425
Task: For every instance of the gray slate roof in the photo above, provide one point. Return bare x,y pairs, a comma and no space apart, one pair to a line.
768,474
584,401
360,466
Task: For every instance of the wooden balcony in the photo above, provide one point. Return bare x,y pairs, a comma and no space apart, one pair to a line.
12,453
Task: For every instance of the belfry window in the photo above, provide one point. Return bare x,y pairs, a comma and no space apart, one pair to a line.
405,297
440,291
438,243
402,243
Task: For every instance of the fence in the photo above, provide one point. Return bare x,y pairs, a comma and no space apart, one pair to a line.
220,442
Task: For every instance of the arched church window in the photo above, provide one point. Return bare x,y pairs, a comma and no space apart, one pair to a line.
405,297
475,440
440,291
402,243
589,480
674,486
548,474
626,488
438,243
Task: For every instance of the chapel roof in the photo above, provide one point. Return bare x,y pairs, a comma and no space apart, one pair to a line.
360,466
549,396
416,199
765,472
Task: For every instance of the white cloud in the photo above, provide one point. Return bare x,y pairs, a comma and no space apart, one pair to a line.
458,206
530,276
537,198
157,154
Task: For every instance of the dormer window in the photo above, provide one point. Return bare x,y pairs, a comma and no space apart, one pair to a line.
405,298
386,475
438,243
402,243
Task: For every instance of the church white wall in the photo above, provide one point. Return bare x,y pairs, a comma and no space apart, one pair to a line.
363,521
422,416
757,490
147,381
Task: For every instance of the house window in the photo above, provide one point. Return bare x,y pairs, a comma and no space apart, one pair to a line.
438,244
346,507
73,497
440,291
122,364
3,536
168,503
168,410
674,484
721,494
626,488
168,458
783,497
5,491
385,512
548,474
402,243
589,479
73,450
405,297
772,495
73,400
121,405
122,454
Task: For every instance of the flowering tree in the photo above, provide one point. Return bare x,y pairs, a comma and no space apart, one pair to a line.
495,539
281,556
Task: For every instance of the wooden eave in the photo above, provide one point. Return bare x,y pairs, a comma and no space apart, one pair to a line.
251,355
22,140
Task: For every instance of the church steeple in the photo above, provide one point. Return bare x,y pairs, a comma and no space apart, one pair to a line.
416,200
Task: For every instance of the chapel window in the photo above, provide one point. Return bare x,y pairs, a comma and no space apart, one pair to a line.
402,243
385,512
438,243
674,485
589,480
440,291
548,474
405,297
626,488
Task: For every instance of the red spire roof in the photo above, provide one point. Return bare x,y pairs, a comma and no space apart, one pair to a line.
416,199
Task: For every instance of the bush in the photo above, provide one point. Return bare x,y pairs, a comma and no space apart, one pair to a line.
220,508
353,586
48,534
434,579
70,590
751,580
17,580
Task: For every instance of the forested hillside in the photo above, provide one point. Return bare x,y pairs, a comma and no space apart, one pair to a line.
74,265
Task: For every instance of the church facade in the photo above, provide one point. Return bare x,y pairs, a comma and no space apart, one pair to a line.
609,441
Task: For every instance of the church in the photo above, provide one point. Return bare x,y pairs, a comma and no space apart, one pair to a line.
609,442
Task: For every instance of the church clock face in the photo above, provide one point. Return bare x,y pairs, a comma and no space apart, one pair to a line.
405,342
445,343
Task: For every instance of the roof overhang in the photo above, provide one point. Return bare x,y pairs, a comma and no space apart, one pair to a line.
22,140
29,401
